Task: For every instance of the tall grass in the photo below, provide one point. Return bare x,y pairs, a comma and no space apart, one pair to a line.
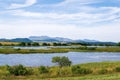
86,70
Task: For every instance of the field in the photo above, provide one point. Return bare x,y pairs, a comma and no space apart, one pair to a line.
89,77
9,43
111,74
7,50
23,51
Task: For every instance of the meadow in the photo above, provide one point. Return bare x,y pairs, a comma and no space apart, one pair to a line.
8,50
99,71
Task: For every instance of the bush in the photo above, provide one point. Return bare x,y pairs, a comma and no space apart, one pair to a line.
65,71
19,70
54,71
91,48
117,69
43,69
78,70
61,61
103,71
0,44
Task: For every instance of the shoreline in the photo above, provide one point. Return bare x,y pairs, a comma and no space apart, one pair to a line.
57,50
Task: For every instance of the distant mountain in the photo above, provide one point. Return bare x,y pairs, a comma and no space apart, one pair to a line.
20,40
61,39
49,39
4,40
57,39
86,40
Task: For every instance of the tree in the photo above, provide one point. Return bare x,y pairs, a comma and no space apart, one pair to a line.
61,61
0,44
35,44
118,44
55,44
28,44
43,69
22,44
19,70
45,44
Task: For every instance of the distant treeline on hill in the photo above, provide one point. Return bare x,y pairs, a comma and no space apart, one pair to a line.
56,41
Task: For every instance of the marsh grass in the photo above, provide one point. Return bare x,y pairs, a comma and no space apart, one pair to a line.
12,50
105,70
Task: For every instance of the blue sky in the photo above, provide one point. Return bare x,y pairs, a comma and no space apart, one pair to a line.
76,19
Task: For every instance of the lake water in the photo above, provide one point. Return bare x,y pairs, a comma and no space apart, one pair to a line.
45,59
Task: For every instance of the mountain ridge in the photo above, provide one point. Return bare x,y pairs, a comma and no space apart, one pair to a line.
53,39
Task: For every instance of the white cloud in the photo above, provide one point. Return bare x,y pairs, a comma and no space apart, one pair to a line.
107,14
29,27
66,19
80,2
27,4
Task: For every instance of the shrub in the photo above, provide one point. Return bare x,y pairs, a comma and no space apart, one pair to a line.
43,69
117,69
103,71
19,70
65,71
54,71
78,70
61,61
0,44
91,48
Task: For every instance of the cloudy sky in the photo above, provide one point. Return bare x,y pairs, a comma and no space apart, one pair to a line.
76,19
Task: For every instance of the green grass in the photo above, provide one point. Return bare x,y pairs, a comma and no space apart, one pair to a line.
89,77
12,50
66,73
58,50
115,76
106,49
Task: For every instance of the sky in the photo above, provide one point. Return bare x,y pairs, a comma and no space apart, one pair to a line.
75,19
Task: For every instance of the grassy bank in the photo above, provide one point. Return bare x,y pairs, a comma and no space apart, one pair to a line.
95,49
59,50
115,76
100,71
12,50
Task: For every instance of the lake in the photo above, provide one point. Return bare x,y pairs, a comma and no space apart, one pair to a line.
45,59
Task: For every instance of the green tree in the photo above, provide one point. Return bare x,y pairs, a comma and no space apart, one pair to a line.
22,44
44,44
76,69
54,44
43,69
28,44
118,44
61,61
19,70
35,44
0,44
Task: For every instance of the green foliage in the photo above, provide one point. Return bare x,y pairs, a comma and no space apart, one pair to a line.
60,44
22,44
118,44
117,69
0,44
28,44
103,71
61,61
45,44
95,69
43,69
65,71
78,70
19,70
35,44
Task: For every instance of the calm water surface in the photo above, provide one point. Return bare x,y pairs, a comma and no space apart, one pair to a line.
45,59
